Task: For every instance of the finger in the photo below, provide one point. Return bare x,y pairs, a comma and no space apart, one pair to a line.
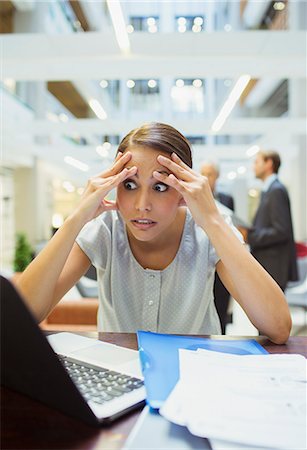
181,172
119,154
179,161
113,181
118,165
171,181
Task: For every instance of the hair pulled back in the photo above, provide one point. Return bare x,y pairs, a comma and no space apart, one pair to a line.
158,136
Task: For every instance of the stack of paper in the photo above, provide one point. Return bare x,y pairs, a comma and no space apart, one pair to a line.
257,400
159,356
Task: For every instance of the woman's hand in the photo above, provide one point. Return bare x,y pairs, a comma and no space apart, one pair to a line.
193,187
93,201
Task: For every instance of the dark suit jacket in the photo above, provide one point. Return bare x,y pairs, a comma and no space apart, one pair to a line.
225,199
221,295
271,237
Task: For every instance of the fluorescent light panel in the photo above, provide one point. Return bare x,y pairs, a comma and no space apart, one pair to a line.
253,150
76,163
230,103
97,108
119,25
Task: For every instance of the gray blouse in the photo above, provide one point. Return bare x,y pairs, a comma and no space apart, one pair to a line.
178,299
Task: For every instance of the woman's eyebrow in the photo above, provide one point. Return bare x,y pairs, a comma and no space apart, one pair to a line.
163,172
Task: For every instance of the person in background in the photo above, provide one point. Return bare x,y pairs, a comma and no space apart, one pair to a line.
271,236
156,248
210,170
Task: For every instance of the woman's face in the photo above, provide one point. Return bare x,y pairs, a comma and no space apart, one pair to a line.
147,206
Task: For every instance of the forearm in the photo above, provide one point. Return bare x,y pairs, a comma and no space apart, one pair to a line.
254,289
38,283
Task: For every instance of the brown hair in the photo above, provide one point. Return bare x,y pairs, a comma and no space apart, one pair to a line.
273,156
159,136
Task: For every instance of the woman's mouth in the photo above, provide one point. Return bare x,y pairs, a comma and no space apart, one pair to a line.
143,224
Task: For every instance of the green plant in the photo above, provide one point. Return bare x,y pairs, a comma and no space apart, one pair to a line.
23,253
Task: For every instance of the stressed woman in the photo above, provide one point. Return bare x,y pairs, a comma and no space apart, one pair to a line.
156,248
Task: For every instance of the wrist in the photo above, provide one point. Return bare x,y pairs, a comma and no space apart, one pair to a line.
212,221
77,220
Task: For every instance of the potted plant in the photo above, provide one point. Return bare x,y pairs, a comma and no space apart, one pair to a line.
23,253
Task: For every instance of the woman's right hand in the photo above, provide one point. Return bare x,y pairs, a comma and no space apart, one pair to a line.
93,202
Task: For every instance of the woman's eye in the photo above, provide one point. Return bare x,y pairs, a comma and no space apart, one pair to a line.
160,187
130,185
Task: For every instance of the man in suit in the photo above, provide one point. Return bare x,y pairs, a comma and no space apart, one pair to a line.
221,295
271,236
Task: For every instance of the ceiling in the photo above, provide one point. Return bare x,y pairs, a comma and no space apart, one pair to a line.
70,62
95,55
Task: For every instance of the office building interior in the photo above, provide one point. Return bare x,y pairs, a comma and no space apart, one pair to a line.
77,75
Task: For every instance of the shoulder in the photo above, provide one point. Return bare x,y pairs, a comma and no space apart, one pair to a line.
103,224
277,188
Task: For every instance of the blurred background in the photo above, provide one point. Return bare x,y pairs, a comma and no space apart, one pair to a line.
77,75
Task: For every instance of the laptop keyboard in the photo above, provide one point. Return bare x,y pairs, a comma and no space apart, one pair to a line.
98,384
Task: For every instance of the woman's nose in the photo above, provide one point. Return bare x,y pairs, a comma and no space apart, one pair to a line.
143,202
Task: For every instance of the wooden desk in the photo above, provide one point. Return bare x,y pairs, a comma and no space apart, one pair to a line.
27,424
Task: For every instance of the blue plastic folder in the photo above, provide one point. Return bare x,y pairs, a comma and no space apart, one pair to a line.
160,358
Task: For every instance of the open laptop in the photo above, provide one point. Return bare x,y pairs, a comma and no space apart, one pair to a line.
85,378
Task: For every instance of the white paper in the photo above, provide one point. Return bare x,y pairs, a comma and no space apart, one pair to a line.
257,400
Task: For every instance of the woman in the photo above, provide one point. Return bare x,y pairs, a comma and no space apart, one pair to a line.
156,248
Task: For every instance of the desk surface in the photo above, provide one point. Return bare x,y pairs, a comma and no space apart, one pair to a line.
27,424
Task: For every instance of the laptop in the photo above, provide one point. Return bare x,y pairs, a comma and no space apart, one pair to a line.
91,380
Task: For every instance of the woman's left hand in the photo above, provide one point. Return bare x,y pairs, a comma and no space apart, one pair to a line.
193,187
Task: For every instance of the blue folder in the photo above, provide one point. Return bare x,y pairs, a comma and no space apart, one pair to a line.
160,358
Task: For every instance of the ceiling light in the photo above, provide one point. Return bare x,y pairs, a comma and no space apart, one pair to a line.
104,84
196,28
152,83
107,145
179,83
130,84
130,29
231,175
76,163
103,150
151,21
152,29
97,108
198,21
279,6
230,103
197,83
119,25
63,117
68,186
252,150
241,170
181,20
